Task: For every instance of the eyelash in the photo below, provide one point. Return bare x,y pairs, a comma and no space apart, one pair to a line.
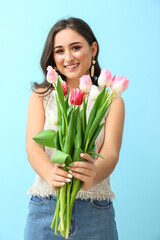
59,51
75,48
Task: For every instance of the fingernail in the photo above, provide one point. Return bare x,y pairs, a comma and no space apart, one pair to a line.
82,154
68,180
63,164
69,175
62,183
70,171
71,164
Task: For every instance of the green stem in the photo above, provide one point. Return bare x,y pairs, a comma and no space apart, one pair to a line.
75,189
56,214
62,205
68,208
84,116
57,217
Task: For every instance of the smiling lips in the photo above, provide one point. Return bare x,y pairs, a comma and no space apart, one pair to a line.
71,66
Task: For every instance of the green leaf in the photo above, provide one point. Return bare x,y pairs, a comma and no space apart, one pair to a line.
98,118
78,137
62,103
46,138
84,119
93,114
56,141
60,136
68,146
94,137
67,100
61,158
63,126
76,155
69,110
61,97
97,154
58,110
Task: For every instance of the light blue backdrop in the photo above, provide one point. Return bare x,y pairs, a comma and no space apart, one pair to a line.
129,36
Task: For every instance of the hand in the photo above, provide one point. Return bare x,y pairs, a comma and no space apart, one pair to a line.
58,176
85,171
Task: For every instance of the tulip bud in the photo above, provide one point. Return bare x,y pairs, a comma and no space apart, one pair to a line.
52,76
105,78
64,87
94,93
85,83
76,97
119,85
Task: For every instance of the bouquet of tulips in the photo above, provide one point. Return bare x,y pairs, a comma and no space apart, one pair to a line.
75,134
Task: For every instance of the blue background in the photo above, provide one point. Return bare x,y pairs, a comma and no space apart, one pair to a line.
129,36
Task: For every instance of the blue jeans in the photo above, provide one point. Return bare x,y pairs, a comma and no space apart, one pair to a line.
91,220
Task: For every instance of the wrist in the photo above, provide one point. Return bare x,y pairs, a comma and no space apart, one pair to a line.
95,177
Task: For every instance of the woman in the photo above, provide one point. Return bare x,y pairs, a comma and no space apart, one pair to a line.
72,49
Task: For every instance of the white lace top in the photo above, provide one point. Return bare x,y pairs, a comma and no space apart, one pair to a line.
101,191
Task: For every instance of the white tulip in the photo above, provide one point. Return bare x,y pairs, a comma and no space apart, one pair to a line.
94,93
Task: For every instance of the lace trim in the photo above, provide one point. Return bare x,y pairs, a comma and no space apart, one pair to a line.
84,195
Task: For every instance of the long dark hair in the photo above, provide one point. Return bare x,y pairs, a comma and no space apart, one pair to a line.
47,58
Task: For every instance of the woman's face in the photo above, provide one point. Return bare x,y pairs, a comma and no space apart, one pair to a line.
72,54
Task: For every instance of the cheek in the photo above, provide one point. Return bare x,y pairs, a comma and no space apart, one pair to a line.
84,57
58,60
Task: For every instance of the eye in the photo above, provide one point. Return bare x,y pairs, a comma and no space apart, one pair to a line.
59,51
75,48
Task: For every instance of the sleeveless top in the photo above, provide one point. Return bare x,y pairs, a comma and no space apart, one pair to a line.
101,191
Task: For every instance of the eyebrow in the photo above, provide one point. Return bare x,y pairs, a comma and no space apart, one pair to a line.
69,45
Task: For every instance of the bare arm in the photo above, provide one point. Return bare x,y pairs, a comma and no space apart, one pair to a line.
91,172
37,157
112,141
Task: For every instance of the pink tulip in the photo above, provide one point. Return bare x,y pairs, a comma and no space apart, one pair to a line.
76,96
85,83
105,78
64,87
52,76
119,85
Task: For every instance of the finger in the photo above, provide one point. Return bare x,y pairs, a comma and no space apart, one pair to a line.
81,177
81,164
87,157
83,171
60,172
61,179
56,184
60,165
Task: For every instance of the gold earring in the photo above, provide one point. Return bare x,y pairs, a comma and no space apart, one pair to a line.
92,67
55,68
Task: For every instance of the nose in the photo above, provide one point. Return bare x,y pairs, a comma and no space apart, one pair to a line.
68,56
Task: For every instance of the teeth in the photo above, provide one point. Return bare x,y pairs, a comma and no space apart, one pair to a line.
70,67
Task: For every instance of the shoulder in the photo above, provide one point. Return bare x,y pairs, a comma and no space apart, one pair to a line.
118,105
36,100
38,94
118,102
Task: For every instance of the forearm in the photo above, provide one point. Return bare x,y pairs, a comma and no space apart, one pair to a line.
39,161
104,167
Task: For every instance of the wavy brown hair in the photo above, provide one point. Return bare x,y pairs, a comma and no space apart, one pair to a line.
47,58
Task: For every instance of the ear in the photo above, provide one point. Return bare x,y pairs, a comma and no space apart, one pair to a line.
94,48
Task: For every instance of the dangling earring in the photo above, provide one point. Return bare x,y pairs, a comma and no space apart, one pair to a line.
92,67
55,68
